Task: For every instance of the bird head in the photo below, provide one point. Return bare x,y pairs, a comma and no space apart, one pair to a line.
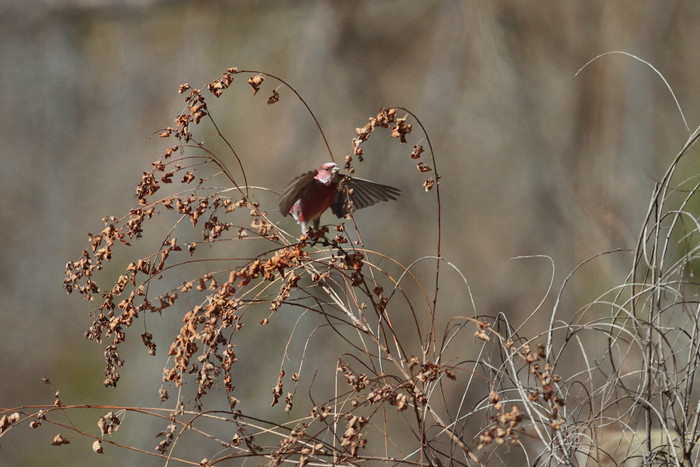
327,173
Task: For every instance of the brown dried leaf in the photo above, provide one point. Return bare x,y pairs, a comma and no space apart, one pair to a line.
417,150
480,334
189,176
59,440
255,83
102,424
97,446
423,168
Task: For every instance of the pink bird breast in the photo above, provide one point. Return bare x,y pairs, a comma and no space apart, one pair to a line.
316,200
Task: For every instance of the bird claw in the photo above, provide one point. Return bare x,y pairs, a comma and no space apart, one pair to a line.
323,240
316,235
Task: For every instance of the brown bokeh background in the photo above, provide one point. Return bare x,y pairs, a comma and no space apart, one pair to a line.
534,160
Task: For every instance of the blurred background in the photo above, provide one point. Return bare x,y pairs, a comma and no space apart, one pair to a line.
534,160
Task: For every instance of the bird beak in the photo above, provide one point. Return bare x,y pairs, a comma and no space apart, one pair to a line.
335,170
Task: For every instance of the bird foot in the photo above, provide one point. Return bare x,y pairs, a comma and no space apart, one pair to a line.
323,240
318,236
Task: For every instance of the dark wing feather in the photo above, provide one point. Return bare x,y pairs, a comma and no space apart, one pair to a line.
295,190
356,193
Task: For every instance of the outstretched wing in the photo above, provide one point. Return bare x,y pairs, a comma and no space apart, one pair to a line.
356,193
295,190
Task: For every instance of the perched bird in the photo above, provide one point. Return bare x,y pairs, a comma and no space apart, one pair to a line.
310,194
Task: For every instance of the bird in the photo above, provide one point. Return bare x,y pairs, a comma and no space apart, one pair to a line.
310,194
